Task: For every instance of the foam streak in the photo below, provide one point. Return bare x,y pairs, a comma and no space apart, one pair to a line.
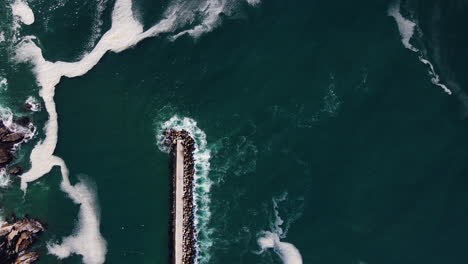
288,253
407,28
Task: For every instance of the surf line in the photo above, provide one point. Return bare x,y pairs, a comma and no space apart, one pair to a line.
183,170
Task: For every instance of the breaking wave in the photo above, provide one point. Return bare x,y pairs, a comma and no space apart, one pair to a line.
406,27
288,253
203,183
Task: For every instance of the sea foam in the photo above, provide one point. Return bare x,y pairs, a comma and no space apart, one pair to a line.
288,253
21,10
406,27
4,180
87,240
253,2
202,201
3,84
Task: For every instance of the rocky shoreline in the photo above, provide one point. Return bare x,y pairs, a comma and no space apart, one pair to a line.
17,236
189,236
16,239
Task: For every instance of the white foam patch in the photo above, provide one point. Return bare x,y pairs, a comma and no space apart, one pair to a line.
87,240
21,10
253,2
34,105
435,79
4,180
3,84
288,253
407,28
211,11
202,182
2,36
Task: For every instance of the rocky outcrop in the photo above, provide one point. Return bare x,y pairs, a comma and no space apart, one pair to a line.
5,156
189,235
16,238
10,139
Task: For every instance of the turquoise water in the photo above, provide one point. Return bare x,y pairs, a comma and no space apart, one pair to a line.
322,129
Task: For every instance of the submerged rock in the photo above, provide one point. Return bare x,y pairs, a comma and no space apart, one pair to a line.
16,238
15,171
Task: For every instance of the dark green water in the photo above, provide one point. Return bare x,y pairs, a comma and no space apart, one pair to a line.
316,102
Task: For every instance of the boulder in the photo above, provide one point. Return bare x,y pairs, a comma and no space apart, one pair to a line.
12,138
24,121
3,131
5,155
16,238
26,258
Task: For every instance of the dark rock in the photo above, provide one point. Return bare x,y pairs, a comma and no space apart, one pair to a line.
15,171
24,121
5,155
16,238
28,106
12,138
3,131
27,258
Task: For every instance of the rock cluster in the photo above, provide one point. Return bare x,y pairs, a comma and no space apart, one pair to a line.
9,140
16,238
189,236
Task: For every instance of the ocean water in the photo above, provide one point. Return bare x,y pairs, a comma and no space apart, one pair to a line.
327,131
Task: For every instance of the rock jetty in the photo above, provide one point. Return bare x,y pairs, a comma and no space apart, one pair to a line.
16,239
189,231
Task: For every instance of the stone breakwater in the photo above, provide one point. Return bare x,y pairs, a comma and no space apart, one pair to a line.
189,231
